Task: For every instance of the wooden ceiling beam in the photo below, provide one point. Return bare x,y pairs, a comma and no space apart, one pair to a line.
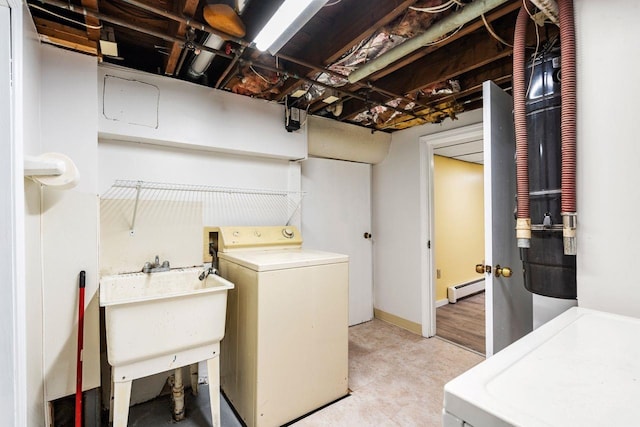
65,36
469,28
471,84
352,26
188,9
464,55
93,33
356,25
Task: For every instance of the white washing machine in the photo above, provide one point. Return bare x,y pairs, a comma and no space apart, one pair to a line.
580,369
285,351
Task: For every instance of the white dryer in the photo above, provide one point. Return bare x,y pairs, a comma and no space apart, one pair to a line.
285,351
580,369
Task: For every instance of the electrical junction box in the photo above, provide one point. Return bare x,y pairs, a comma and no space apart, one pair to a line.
291,117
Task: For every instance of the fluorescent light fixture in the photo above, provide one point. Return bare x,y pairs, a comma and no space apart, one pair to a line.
288,20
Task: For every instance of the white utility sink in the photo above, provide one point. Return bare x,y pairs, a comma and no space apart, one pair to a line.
156,322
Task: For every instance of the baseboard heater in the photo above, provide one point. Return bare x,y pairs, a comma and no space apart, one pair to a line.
454,293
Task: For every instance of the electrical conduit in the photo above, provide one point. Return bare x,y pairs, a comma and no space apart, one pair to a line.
568,125
523,221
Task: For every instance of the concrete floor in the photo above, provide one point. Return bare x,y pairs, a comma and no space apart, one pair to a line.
157,413
396,380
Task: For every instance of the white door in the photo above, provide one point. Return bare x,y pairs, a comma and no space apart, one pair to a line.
508,303
336,214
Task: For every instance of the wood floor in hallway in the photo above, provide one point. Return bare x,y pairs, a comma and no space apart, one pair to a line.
463,322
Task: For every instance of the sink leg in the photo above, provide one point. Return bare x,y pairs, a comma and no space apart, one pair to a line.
193,370
121,397
213,372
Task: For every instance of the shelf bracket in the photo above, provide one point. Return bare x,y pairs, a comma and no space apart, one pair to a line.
135,209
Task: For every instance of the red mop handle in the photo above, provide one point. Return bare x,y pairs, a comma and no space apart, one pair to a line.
79,355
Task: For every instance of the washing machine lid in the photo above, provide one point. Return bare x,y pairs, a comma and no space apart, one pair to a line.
279,259
581,368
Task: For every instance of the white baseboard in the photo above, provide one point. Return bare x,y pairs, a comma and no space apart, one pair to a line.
442,302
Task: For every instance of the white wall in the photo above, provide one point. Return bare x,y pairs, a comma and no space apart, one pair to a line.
131,161
166,162
68,109
29,244
69,97
332,139
608,153
399,197
137,106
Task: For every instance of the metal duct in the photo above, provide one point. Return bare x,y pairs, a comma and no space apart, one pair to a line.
202,61
433,33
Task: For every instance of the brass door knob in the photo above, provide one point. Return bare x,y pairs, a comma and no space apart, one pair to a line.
503,271
481,268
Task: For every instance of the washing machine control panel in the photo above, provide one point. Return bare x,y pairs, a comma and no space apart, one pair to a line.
259,237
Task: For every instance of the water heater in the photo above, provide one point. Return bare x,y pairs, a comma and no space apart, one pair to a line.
547,271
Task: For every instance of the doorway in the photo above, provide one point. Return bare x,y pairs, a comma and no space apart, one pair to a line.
456,212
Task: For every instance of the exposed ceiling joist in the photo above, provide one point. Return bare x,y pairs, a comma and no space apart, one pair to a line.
427,85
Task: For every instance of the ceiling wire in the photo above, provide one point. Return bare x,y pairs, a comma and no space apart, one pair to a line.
92,27
535,54
332,4
453,33
437,9
493,33
258,74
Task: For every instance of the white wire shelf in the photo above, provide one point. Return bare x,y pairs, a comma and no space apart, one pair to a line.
220,205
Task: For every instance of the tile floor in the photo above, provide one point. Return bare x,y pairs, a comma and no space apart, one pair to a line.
396,378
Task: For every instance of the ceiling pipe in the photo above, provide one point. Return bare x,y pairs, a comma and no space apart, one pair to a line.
187,21
317,68
203,27
226,76
182,43
433,33
326,86
89,12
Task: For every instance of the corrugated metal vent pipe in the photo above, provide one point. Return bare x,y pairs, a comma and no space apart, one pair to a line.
433,33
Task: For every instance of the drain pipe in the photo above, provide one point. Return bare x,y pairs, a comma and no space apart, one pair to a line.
568,127
178,395
441,28
523,220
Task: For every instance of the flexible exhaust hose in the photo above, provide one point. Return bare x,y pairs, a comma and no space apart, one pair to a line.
568,125
523,225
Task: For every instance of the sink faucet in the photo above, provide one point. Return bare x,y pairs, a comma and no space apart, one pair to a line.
207,272
155,267
212,268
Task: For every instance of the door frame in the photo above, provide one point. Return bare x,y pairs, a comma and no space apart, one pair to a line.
12,261
428,144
